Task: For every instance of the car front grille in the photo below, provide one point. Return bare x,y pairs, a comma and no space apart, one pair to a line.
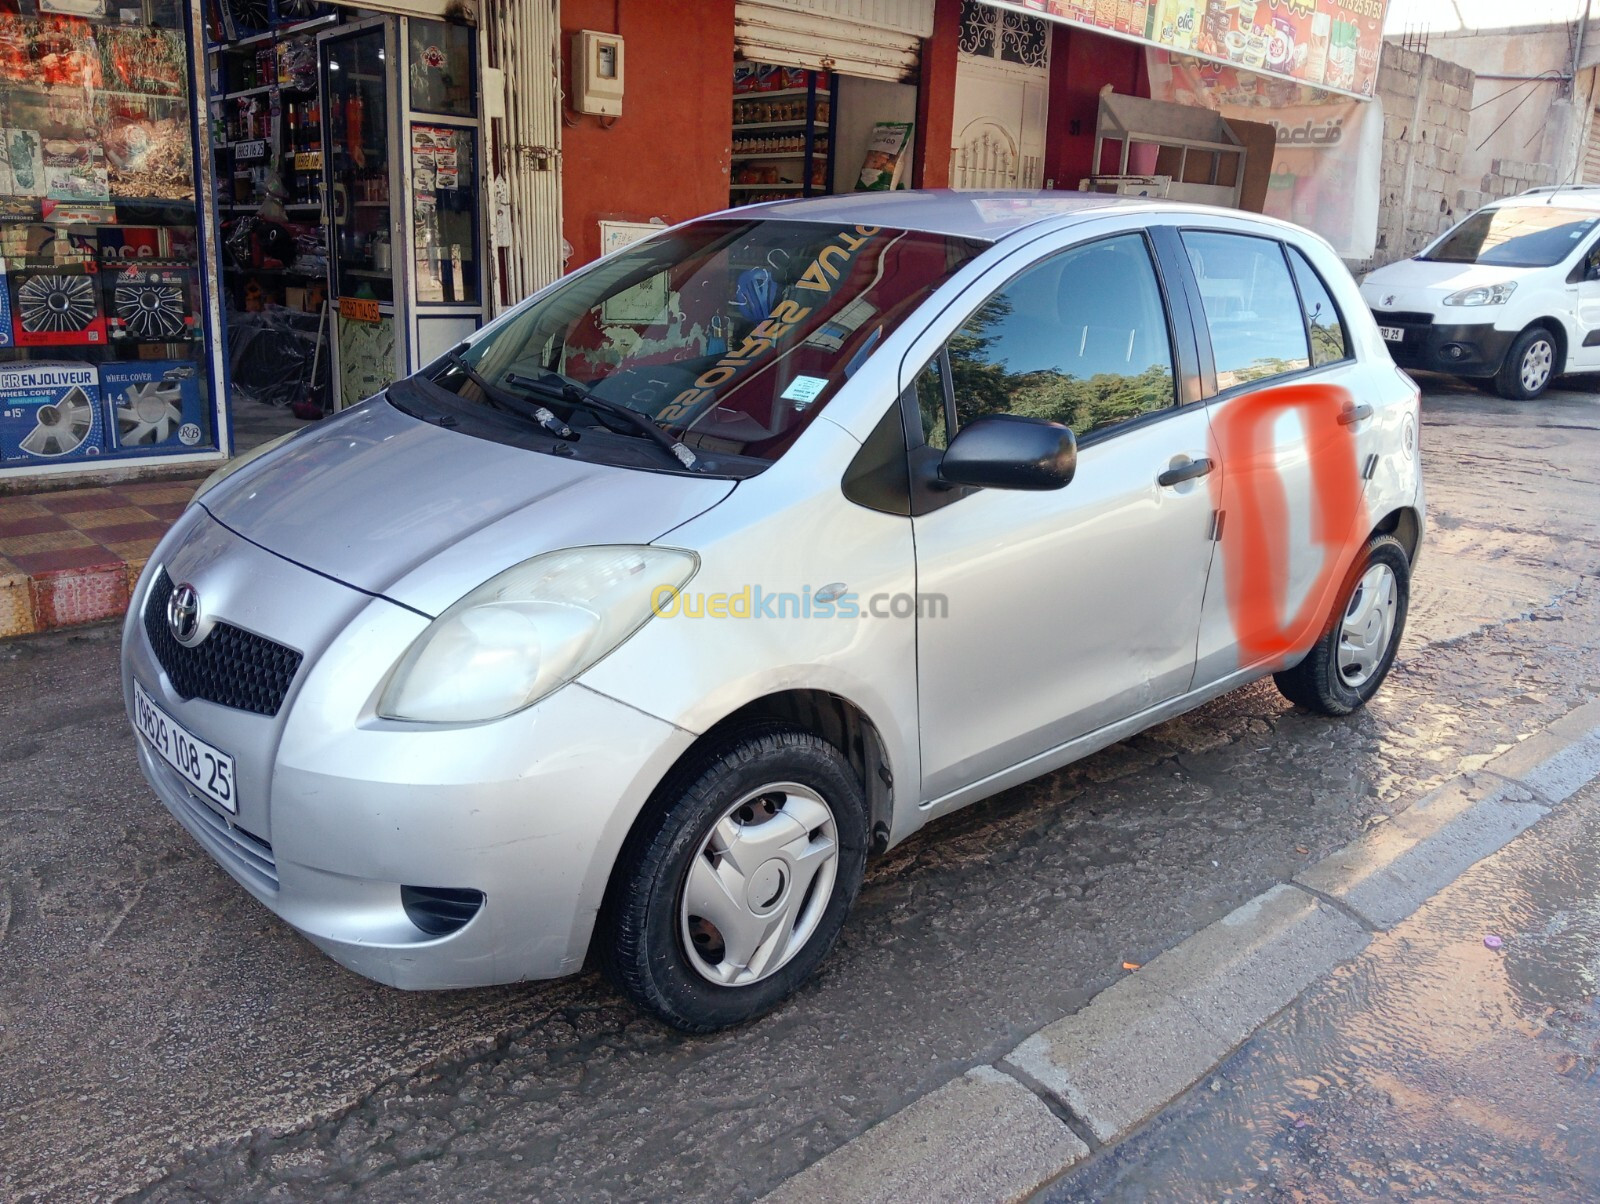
230,667
1401,317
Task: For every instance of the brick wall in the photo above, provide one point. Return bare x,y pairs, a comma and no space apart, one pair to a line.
1426,111
1427,115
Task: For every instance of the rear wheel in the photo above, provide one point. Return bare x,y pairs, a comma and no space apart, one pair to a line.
1529,366
729,899
1348,664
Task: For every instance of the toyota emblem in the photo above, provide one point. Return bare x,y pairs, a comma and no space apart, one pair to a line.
183,615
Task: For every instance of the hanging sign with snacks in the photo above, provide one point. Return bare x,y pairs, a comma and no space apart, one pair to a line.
1329,44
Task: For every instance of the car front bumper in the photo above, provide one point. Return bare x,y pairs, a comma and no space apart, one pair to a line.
1468,349
530,810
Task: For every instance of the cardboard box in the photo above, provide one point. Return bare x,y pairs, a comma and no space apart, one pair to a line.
57,308
50,413
149,304
154,407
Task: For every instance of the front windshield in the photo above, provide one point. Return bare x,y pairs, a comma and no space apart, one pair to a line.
1516,236
731,335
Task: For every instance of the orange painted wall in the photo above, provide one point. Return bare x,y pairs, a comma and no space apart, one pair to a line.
1081,63
667,154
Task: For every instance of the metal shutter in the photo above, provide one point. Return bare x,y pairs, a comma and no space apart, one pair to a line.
876,39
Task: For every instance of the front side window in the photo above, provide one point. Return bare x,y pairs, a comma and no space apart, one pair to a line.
1516,236
1328,342
1251,308
730,335
1080,338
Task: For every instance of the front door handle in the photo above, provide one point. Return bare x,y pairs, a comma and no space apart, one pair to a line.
1351,415
1184,472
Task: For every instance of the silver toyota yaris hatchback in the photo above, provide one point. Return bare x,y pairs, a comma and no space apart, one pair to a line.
632,625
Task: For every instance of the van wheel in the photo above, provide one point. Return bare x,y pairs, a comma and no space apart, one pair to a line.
1529,365
1348,664
729,899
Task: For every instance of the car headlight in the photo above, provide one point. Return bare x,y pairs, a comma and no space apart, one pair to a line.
1483,294
531,629
238,462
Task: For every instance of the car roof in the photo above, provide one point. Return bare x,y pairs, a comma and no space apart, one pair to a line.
1568,196
987,215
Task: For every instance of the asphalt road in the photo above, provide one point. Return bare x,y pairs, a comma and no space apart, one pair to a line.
160,1032
1458,1058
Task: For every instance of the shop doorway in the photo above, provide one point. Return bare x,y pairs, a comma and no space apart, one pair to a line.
1001,99
351,144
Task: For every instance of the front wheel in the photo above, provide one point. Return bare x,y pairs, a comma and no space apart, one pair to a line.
1348,664
731,897
1529,365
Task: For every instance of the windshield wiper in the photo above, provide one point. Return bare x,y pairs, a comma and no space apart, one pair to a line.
500,399
579,396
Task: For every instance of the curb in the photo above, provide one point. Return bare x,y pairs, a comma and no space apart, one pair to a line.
1002,1131
61,598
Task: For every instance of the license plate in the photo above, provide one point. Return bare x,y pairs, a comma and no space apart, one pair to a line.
207,769
1392,334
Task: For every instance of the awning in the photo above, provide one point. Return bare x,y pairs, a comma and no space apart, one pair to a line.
1329,44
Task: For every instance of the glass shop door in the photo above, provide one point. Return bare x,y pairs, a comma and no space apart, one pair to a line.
362,184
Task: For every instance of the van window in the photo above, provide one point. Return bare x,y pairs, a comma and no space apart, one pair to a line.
1251,307
1080,338
1515,236
1328,342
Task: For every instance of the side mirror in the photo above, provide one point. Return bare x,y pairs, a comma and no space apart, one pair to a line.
1006,451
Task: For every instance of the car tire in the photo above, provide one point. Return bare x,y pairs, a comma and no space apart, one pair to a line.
1348,664
1529,366
728,898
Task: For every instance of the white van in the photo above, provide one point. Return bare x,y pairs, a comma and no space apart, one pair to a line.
1511,293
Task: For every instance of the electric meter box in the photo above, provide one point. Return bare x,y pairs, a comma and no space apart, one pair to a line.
597,73
153,407
50,413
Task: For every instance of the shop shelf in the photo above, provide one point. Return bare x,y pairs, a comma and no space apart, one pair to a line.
738,155
778,95
774,125
761,187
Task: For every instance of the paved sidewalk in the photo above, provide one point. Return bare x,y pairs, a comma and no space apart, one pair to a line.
72,556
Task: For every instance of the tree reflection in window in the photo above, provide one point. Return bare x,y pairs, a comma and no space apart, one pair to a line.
1079,339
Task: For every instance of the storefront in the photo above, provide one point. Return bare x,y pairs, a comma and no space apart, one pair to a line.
824,96
352,222
106,309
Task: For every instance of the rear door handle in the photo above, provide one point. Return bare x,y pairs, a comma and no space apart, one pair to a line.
1351,415
1184,472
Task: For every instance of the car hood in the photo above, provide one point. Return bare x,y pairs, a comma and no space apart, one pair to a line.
1424,284
399,507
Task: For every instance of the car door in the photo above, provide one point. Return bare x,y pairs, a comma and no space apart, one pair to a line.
1584,353
1060,612
1292,457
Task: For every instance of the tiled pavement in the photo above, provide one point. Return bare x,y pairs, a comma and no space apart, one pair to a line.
73,556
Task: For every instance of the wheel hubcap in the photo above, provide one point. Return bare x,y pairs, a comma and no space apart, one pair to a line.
759,884
1536,364
1368,626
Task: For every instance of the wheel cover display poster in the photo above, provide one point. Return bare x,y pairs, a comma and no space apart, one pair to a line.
1330,44
1329,153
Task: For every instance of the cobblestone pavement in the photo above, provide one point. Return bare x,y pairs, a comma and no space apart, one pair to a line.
160,1032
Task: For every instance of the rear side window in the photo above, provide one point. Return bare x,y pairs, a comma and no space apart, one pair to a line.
1328,342
1079,338
1252,310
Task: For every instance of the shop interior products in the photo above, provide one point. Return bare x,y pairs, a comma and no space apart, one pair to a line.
783,133
99,255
